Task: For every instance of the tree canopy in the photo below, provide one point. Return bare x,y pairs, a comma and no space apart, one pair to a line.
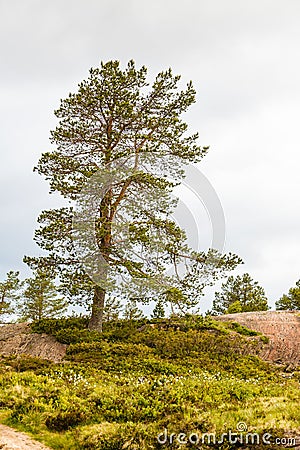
40,298
239,294
290,301
9,292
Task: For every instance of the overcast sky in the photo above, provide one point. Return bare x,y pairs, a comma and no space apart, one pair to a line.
244,61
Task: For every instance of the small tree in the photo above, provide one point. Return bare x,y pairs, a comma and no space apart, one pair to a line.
40,298
290,301
112,309
235,307
9,291
239,294
132,311
159,310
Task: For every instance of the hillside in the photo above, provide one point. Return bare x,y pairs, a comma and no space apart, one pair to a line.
135,384
281,327
17,339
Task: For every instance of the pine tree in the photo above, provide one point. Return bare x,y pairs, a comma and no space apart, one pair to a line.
291,301
40,298
159,310
9,292
132,311
239,294
119,133
112,309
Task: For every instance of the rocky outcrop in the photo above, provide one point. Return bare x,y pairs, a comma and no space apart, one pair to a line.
281,327
16,339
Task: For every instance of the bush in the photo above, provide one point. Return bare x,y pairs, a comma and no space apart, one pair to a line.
24,363
52,326
75,335
64,420
241,329
110,349
113,436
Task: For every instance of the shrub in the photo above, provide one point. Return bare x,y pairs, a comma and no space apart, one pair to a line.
241,329
52,326
64,420
113,436
109,349
75,335
25,363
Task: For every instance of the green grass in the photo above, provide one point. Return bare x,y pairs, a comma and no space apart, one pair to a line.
120,389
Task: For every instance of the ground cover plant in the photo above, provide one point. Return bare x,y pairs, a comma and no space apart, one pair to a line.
122,388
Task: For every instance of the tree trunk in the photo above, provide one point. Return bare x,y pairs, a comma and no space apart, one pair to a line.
102,225
96,319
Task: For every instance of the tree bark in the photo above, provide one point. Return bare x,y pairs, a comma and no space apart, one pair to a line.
104,224
96,319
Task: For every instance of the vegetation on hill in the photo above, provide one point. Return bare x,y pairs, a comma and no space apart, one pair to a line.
239,294
290,301
40,298
121,388
9,292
